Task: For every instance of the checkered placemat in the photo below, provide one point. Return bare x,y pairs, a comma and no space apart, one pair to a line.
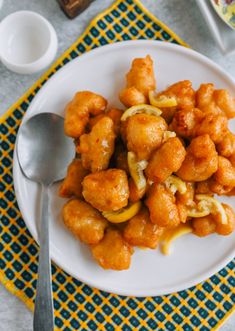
78,306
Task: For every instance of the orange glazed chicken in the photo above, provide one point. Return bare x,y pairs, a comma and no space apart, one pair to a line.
97,147
106,190
84,221
149,173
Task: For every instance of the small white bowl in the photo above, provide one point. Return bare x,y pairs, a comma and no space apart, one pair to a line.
28,42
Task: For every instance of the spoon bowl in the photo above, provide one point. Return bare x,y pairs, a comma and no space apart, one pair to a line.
43,149
44,153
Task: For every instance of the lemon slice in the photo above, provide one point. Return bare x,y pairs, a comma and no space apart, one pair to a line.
124,214
200,210
174,184
167,135
180,231
140,109
161,101
214,206
136,169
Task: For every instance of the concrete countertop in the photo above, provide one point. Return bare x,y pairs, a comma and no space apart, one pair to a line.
182,16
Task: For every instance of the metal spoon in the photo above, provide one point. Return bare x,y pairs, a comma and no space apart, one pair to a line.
44,153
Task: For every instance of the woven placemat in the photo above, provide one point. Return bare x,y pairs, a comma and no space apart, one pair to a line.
78,306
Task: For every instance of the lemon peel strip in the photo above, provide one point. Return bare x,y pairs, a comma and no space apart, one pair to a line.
124,214
174,184
162,101
178,232
140,109
214,206
136,169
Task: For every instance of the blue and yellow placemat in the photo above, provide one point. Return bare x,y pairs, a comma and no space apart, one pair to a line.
78,306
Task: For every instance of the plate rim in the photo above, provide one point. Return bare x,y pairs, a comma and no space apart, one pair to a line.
138,293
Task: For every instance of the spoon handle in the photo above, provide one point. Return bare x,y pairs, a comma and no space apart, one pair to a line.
43,312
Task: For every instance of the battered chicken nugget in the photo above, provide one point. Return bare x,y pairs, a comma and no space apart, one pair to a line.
113,252
166,160
225,102
211,186
85,222
78,110
141,232
183,93
203,187
97,147
135,193
185,122
217,101
232,159
203,226
144,134
201,160
204,95
226,147
225,175
229,227
72,184
218,188
216,125
140,80
130,96
162,206
114,113
106,190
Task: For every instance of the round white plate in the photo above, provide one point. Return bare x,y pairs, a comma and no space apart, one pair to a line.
103,71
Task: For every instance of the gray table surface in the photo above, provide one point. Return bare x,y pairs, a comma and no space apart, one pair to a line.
182,16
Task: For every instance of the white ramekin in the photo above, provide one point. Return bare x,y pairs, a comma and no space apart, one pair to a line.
28,42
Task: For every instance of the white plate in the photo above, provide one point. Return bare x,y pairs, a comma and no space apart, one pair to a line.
103,71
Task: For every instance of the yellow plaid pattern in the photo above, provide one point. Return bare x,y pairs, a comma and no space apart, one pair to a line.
78,306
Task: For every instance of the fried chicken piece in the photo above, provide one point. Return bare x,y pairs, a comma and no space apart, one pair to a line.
162,206
144,134
203,187
203,226
215,125
183,212
184,94
72,183
78,110
211,186
114,113
204,95
185,122
218,188
113,252
225,102
166,160
135,193
141,232
106,190
215,101
97,147
229,227
225,174
85,222
232,159
140,80
226,147
201,160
